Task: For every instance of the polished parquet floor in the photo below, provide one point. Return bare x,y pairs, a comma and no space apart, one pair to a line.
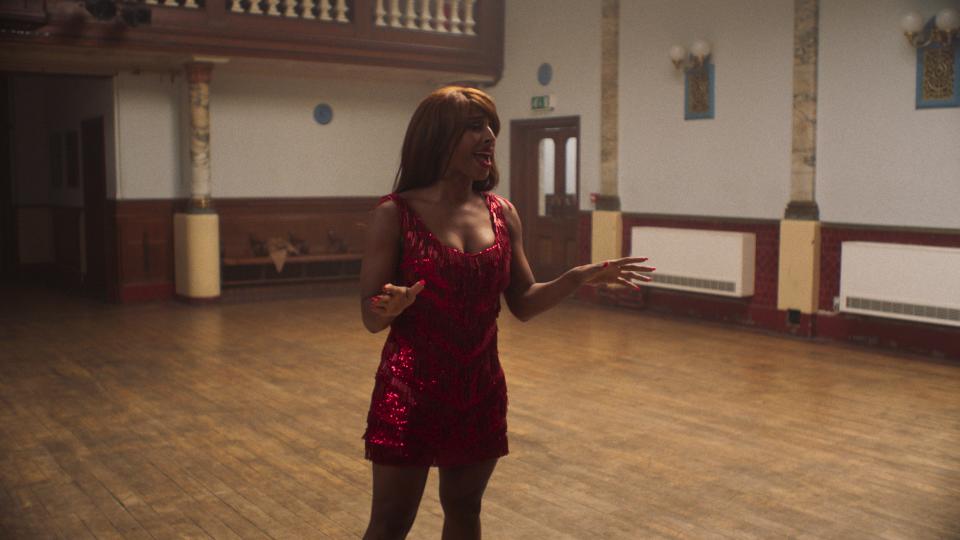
244,421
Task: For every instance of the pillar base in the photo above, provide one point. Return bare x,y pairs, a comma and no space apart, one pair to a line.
798,283
606,240
196,239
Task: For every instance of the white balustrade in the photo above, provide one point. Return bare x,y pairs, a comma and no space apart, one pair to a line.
342,11
411,16
379,12
395,14
307,6
425,16
455,17
441,17
469,24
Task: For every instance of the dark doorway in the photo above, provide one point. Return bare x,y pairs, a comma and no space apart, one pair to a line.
96,228
545,187
8,218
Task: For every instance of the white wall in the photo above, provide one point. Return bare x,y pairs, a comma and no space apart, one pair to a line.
148,131
263,139
265,142
566,34
879,160
735,165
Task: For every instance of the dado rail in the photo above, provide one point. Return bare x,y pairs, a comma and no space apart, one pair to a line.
456,36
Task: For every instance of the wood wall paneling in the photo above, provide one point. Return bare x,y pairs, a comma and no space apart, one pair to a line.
144,244
144,260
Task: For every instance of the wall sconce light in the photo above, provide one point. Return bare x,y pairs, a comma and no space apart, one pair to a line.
699,54
698,76
945,27
937,41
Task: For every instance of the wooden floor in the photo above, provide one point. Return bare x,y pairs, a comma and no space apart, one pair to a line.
244,421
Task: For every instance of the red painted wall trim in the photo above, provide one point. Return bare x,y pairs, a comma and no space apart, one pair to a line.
928,339
145,292
761,310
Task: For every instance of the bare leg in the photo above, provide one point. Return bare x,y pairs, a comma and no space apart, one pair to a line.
461,492
396,497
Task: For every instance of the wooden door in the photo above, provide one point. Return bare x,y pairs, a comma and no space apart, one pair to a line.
545,187
96,229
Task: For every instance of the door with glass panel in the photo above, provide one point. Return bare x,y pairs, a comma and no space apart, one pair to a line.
545,187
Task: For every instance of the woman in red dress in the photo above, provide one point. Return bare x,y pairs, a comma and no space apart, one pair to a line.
441,249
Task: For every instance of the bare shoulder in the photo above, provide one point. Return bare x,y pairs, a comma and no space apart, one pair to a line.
510,214
385,217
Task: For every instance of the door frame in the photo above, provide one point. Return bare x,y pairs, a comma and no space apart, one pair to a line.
526,197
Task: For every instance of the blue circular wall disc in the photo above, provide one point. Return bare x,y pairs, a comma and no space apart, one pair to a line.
545,73
323,114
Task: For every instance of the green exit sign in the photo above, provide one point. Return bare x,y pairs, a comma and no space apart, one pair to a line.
543,103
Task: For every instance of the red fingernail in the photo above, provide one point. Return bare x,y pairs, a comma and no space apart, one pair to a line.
375,300
606,264
422,282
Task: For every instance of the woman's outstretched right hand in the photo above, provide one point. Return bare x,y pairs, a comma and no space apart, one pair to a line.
394,299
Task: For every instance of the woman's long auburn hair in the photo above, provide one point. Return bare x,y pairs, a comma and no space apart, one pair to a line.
435,129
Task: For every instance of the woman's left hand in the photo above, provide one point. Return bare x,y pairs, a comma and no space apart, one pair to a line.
622,271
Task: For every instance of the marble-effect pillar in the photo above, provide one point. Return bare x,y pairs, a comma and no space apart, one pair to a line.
198,76
606,220
803,169
798,281
609,104
196,232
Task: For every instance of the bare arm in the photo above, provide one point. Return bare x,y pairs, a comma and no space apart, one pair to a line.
527,298
380,300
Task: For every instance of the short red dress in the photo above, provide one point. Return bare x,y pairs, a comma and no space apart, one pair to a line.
440,397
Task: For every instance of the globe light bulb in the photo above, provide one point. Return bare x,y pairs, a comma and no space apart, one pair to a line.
677,53
911,23
948,19
700,49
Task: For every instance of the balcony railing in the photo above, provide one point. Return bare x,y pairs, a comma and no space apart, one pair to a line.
458,36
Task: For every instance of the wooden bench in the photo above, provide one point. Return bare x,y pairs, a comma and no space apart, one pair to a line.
326,238
296,268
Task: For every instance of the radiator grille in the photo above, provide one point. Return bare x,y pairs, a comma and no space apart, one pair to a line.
902,308
695,283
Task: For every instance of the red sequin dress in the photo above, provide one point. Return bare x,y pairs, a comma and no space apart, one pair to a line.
440,397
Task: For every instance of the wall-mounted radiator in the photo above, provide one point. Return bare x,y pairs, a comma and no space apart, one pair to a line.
711,262
919,283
